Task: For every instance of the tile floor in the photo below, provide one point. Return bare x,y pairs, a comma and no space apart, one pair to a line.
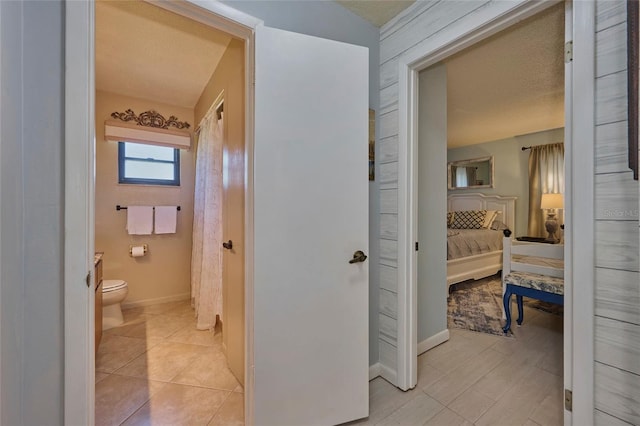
481,379
157,369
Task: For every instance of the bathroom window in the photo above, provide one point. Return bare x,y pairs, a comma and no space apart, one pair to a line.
148,164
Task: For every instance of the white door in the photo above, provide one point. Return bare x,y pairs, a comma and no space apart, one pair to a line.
311,215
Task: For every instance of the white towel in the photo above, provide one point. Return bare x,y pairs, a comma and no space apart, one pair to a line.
139,220
166,217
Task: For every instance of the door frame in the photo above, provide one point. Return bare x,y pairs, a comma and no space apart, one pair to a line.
579,127
79,203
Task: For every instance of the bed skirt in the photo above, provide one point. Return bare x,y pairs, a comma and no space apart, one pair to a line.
473,267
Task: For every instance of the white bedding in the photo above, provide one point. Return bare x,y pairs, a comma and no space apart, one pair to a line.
470,242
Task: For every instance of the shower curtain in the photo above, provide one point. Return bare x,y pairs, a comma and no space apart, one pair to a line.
206,253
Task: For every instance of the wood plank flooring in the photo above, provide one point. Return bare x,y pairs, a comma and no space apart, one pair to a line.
481,379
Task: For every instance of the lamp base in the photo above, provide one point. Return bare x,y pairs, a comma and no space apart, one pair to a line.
551,225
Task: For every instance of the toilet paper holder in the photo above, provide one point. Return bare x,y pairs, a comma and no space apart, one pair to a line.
145,248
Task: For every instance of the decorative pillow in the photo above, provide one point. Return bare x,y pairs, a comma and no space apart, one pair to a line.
452,232
450,216
469,219
498,226
491,216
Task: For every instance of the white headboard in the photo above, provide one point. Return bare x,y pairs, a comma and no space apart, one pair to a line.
506,205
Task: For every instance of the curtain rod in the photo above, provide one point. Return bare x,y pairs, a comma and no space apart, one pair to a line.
524,148
219,110
119,207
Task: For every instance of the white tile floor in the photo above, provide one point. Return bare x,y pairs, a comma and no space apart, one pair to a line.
481,379
157,369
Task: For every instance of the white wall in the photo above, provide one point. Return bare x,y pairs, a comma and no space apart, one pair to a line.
31,215
432,202
329,20
511,168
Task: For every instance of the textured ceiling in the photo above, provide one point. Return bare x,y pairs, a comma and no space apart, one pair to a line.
147,52
510,84
378,12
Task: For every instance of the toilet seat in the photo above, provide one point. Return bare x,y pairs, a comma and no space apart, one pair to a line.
113,285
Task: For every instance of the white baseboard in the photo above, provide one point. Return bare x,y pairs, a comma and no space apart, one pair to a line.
375,370
433,341
379,370
388,374
155,301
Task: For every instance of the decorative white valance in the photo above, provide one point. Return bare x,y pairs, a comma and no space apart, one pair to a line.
123,132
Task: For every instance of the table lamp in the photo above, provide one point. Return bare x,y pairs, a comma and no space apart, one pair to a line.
551,202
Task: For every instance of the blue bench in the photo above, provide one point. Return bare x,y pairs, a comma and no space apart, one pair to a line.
532,270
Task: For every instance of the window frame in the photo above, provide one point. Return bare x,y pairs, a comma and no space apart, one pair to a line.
142,181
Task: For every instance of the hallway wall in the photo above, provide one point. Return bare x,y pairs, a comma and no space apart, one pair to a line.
32,212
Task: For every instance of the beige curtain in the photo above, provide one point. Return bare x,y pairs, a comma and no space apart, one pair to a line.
464,176
471,175
206,253
546,175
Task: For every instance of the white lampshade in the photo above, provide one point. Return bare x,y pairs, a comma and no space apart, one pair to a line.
551,201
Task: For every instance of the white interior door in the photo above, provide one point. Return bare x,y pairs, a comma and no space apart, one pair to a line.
311,215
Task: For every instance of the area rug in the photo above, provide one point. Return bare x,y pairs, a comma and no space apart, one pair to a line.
477,306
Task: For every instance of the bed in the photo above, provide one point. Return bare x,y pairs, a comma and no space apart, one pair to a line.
477,253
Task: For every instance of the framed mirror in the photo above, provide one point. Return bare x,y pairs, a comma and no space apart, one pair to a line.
475,173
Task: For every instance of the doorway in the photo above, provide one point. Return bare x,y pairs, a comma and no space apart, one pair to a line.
79,397
183,95
579,120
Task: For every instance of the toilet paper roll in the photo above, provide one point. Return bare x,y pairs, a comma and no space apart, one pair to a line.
137,251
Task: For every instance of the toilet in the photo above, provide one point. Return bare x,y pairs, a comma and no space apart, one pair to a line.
113,293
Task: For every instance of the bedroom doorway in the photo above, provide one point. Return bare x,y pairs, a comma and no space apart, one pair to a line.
475,115
579,72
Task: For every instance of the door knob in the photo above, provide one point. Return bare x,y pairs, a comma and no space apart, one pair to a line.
358,256
228,245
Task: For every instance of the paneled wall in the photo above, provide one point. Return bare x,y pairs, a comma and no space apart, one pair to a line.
617,286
